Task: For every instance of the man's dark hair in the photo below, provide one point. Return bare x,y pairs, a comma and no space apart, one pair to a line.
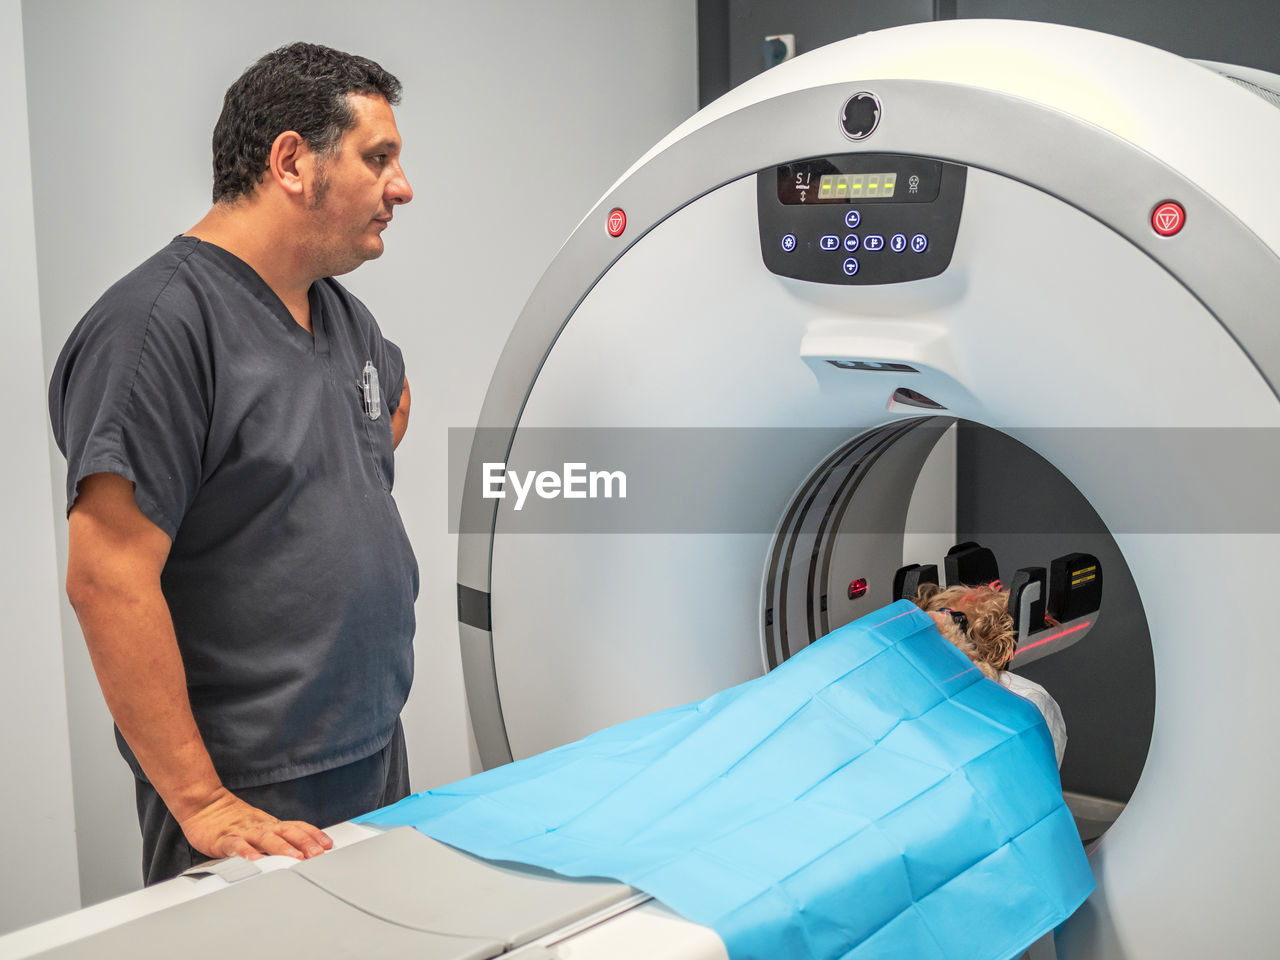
301,87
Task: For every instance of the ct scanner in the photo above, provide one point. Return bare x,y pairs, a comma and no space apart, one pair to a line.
1080,250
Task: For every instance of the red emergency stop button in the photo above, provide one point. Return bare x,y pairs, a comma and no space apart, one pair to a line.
1168,218
617,222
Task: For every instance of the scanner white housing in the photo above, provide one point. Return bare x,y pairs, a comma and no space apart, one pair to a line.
1061,307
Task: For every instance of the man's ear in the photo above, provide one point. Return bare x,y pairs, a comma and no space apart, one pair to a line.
291,164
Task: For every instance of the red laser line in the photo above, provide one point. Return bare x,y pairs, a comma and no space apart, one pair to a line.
960,674
1060,633
898,617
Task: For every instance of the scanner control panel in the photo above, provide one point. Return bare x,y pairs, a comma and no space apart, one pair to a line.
861,218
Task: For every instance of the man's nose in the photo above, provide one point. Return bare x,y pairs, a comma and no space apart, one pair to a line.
398,189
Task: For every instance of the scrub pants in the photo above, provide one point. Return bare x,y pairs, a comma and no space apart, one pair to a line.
321,799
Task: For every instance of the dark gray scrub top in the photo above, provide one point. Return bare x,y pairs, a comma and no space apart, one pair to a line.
290,579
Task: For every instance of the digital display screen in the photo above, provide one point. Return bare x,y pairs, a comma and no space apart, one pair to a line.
858,178
855,186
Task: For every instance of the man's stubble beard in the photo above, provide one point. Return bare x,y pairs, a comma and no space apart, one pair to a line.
321,189
324,261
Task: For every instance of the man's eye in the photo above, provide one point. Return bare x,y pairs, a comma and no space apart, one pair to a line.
379,159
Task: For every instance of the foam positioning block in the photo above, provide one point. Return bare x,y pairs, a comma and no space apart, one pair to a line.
873,797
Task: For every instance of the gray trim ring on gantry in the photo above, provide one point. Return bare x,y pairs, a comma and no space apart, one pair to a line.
1081,164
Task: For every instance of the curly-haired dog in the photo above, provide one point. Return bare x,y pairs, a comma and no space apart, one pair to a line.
977,621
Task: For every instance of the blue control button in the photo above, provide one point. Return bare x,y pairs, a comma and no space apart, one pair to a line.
873,241
898,243
852,219
789,242
829,242
851,242
850,267
919,242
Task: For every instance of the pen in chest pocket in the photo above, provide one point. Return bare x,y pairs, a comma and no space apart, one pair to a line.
369,388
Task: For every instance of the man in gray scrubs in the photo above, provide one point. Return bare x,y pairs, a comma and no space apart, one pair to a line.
229,414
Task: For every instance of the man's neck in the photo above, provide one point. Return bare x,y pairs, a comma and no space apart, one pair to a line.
253,234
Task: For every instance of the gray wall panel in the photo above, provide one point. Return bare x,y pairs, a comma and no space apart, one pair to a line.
35,785
815,23
1232,31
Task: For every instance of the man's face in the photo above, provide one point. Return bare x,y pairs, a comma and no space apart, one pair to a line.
356,189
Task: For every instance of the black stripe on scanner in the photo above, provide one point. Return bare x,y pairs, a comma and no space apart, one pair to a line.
473,608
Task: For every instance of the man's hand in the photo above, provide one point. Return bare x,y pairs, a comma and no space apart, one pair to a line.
400,419
228,827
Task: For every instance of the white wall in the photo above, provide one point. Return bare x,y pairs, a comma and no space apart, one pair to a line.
558,96
35,764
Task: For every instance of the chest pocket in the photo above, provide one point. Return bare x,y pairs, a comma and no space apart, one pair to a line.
370,408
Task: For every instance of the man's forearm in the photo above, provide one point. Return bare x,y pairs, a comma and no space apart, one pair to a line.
135,654
400,419
131,642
